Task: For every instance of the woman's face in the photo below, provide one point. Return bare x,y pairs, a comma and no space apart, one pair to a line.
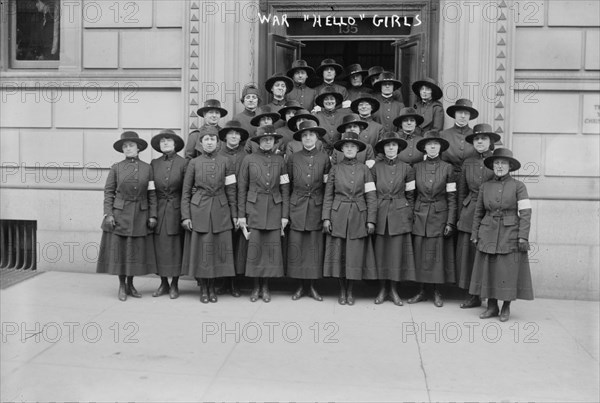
209,143
167,145
356,80
409,124
391,149
481,142
265,120
300,76
425,93
352,127
130,149
278,89
233,138
501,167
328,73
350,150
462,117
365,108
432,148
250,101
267,142
290,114
329,102
212,116
387,88
309,139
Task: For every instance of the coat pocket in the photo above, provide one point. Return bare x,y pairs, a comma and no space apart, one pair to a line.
441,205
144,204
400,204
196,198
293,199
252,196
362,205
467,200
277,198
223,199
119,203
336,205
510,220
318,200
487,220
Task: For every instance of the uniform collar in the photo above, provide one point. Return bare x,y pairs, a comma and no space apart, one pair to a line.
309,152
169,156
504,178
461,130
352,161
392,161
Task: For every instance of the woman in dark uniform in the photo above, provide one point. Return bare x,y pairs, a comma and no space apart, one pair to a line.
294,146
395,183
208,216
435,218
473,174
356,82
307,171
428,105
126,247
330,117
250,99
278,85
501,232
263,207
349,216
353,123
408,121
169,171
458,148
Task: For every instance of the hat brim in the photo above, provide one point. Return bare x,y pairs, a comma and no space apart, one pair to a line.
513,163
340,143
361,123
368,78
443,143
436,92
378,84
339,98
289,83
286,109
452,109
375,105
402,144
205,109
291,124
142,144
319,130
339,70
243,133
309,71
494,137
363,73
155,141
256,139
418,118
256,120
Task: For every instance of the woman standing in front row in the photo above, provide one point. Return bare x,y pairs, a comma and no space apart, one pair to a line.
126,247
169,171
209,215
349,216
263,207
501,232
395,183
435,218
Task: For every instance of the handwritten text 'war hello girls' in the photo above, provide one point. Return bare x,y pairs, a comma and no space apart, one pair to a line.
390,21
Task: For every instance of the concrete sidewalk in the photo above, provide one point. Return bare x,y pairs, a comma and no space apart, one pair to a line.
66,337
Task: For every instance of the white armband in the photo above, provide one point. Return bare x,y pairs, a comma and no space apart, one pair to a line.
370,187
524,204
283,179
325,177
370,163
230,180
451,187
409,186
151,185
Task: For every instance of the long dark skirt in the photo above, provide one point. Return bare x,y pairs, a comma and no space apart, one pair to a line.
169,250
465,257
353,259
504,277
240,251
305,254
434,260
208,255
264,257
130,256
395,256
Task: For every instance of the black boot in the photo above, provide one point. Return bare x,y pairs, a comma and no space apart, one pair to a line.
505,313
163,288
342,298
174,289
203,291
235,292
349,294
255,290
492,309
382,293
394,294
131,289
122,289
299,292
419,297
313,292
212,295
472,301
266,294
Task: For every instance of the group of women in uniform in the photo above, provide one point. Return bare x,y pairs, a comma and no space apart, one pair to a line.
324,182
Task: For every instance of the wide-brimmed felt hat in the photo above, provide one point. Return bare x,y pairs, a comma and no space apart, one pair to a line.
263,111
130,136
301,113
339,70
387,77
233,125
339,98
355,69
374,104
436,91
483,129
388,138
211,104
250,89
266,131
408,113
300,65
502,153
289,83
374,71
462,104
289,105
309,125
432,135
167,134
349,119
350,137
